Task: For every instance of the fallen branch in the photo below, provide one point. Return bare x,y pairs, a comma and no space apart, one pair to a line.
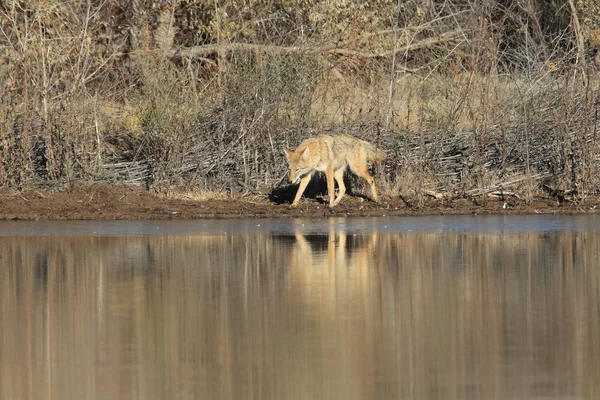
501,186
503,194
211,49
435,195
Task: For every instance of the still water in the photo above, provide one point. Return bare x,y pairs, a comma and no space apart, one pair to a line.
389,308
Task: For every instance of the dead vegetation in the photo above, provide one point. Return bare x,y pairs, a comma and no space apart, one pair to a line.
466,99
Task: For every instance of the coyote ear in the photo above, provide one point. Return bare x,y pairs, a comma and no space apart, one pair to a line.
287,151
305,153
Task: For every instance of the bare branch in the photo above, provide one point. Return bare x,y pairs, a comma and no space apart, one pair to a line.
580,43
209,49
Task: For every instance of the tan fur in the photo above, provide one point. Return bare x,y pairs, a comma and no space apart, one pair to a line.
332,154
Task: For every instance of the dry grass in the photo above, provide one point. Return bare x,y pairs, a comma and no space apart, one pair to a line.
74,107
203,195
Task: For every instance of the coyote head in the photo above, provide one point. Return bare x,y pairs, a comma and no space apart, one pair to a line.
299,163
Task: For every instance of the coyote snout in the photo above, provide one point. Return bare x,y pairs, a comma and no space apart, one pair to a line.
331,154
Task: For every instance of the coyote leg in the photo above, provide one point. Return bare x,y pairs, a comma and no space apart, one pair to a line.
330,186
374,190
364,173
339,178
303,182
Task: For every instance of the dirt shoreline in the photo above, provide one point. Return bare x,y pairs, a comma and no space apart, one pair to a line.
99,201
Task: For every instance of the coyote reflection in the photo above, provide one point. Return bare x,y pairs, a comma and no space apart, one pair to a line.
333,263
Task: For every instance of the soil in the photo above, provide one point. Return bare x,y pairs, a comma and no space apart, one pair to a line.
100,201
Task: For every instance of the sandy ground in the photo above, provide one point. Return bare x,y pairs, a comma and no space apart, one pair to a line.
99,201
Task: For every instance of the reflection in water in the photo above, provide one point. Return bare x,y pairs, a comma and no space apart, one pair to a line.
369,316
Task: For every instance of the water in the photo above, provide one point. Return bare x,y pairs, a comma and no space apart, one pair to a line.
389,308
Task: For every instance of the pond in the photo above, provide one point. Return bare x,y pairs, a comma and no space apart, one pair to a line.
462,307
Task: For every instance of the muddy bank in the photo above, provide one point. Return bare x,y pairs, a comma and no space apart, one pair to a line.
98,201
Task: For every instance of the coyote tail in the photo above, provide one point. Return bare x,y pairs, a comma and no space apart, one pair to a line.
373,153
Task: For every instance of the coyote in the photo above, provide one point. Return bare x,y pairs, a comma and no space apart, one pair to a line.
331,154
